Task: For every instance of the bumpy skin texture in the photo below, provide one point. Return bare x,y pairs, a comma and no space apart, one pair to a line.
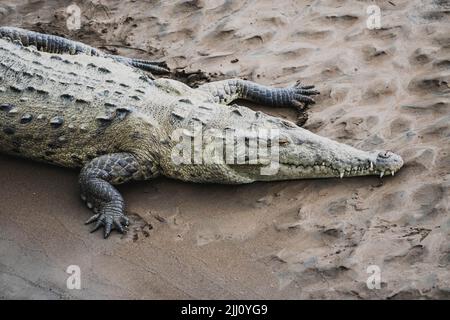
117,125
55,44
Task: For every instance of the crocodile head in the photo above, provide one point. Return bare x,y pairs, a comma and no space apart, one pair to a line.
303,154
290,153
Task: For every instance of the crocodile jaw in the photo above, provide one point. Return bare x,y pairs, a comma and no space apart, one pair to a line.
380,163
298,154
304,155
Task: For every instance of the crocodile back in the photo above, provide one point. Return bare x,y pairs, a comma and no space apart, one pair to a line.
68,109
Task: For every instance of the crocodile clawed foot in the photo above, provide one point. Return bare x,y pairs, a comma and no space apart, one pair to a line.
302,95
97,190
109,218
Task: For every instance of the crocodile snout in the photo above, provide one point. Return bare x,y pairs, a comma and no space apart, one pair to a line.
388,162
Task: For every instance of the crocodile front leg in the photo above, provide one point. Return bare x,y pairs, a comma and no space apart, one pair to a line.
54,44
97,179
226,91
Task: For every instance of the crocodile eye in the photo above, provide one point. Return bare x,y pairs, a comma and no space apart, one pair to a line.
384,154
283,142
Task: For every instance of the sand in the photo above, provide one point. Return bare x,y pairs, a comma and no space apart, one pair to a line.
380,89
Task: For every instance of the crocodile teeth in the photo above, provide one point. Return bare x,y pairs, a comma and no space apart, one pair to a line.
371,165
341,174
393,172
89,205
381,174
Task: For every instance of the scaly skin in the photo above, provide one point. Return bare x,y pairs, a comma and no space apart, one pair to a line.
226,91
54,44
117,125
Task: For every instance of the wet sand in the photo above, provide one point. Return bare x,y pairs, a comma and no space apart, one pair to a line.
380,89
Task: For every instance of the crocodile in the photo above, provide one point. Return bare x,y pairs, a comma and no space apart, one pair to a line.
116,124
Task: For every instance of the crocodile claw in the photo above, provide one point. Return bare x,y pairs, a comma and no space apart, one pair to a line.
92,219
109,220
302,95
